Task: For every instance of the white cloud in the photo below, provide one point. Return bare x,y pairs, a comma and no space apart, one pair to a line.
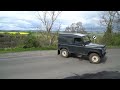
28,15
71,16
23,22
78,15
26,18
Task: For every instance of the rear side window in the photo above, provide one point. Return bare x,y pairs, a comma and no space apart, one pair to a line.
65,40
77,40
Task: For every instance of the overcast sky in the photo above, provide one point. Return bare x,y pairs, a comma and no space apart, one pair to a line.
27,20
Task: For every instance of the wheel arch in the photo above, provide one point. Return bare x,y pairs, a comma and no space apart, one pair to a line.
94,52
64,48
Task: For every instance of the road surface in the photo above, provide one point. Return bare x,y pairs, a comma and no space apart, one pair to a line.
49,65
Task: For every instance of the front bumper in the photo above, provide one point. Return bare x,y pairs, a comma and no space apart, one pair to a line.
103,51
103,54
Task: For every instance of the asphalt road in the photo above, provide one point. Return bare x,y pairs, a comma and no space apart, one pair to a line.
49,65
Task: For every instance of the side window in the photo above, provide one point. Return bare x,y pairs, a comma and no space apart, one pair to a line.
77,40
66,40
62,40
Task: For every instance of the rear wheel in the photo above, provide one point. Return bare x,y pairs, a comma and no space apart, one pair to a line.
94,58
64,53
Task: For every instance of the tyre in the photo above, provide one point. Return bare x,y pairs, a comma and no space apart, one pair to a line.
64,53
94,58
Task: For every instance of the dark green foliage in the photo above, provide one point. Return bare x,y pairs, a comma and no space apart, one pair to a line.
11,41
38,41
115,39
31,41
109,39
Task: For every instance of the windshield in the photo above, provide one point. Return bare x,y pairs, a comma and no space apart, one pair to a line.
86,39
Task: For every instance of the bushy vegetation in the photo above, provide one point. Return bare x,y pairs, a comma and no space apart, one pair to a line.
39,41
115,41
11,40
32,41
111,40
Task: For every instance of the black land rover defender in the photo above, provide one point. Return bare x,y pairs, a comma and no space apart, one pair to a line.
80,44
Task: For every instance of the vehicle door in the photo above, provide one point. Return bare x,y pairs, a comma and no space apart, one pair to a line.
78,46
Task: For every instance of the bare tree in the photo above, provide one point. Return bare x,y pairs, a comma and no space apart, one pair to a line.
108,18
117,22
76,28
48,19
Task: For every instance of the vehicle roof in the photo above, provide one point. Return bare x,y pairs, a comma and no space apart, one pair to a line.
76,34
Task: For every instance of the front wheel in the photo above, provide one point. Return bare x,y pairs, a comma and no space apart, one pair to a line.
64,53
94,58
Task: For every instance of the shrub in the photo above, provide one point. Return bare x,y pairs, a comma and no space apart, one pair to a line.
10,41
32,41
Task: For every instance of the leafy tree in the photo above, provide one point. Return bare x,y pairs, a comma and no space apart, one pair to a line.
76,28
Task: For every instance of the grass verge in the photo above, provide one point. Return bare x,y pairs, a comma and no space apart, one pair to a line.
113,47
10,50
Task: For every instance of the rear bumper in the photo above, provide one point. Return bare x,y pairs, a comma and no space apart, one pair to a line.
58,52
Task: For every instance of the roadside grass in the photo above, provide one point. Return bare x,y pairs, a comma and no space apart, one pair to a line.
113,47
11,50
